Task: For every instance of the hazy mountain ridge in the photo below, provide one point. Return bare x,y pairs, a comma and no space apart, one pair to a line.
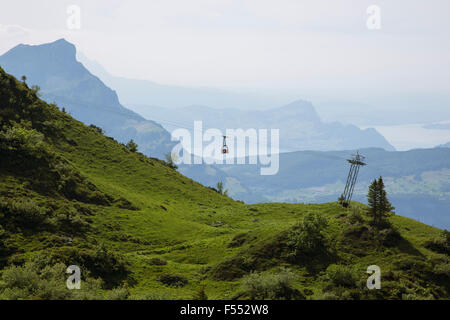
300,126
445,145
69,84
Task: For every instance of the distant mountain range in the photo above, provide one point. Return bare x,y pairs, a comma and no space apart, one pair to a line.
66,82
445,145
172,106
438,126
417,181
300,126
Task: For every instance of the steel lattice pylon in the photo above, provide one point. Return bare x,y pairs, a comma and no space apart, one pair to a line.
356,162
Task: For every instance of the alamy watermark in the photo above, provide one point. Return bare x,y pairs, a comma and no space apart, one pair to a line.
74,281
374,20
250,146
73,21
374,281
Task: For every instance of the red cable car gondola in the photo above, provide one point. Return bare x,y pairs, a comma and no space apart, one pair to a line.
225,147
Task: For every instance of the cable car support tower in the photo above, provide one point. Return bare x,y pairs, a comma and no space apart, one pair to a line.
355,163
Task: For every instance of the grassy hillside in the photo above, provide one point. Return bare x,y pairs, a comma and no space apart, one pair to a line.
139,229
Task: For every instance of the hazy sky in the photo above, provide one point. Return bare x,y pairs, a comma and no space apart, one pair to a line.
319,46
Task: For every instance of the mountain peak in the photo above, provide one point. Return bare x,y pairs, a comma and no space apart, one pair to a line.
62,44
300,108
58,48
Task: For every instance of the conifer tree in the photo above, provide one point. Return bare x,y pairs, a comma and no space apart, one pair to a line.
384,205
379,204
132,146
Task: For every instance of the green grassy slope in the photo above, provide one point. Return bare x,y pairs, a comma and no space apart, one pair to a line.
70,195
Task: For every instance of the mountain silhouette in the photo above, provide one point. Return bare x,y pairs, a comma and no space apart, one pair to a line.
65,81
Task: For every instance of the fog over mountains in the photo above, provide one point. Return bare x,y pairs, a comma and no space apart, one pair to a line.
300,126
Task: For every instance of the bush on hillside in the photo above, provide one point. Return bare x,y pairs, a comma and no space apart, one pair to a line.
132,146
271,286
119,293
100,261
340,275
31,282
307,239
39,279
355,216
441,244
172,280
96,129
19,140
388,237
157,262
22,212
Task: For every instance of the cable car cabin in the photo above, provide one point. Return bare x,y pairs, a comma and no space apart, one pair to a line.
225,147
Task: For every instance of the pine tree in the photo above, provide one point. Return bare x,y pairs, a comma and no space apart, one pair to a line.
384,205
379,204
132,146
219,188
372,199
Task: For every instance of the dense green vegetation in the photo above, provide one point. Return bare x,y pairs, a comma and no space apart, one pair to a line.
140,230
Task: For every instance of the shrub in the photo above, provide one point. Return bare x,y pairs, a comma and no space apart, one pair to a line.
219,189
23,212
32,281
157,262
271,286
388,237
125,204
120,293
355,216
442,269
69,219
340,275
238,240
230,269
172,280
22,140
441,244
37,90
132,146
307,238
97,129
38,278
111,266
